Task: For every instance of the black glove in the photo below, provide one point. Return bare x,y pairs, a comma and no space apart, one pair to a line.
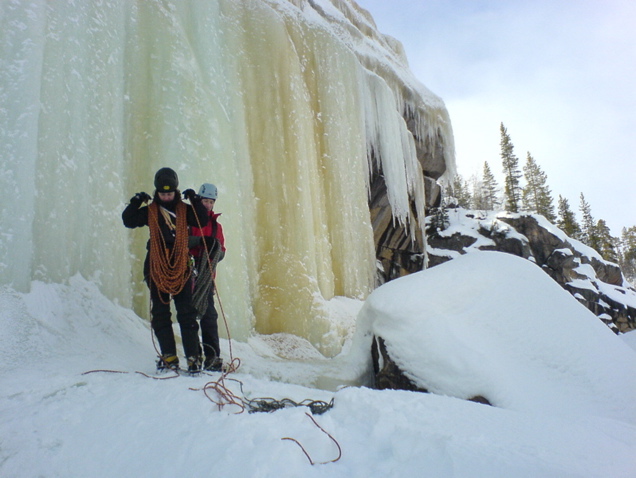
210,242
189,194
194,241
139,198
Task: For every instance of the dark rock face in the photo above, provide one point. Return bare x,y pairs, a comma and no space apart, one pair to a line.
595,283
396,251
430,152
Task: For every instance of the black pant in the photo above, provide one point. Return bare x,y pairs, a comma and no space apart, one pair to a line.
186,316
210,329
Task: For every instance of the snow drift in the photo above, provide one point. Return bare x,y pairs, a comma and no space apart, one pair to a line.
443,326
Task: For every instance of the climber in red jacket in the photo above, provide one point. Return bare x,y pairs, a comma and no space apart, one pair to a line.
208,252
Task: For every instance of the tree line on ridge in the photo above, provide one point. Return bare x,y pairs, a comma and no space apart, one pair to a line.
526,190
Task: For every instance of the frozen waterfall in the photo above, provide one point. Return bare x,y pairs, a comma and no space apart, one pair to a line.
276,102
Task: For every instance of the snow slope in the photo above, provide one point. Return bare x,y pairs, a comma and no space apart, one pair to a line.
561,411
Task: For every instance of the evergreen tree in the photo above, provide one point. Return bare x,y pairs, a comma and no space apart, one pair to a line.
606,243
627,256
461,192
589,236
490,189
512,174
537,197
628,243
478,198
567,220
439,219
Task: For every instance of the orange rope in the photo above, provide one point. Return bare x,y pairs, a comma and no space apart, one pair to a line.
305,451
169,268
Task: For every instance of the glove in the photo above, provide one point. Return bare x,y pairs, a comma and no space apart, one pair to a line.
189,194
139,198
194,241
210,242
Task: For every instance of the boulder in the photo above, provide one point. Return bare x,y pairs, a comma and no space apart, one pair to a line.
387,375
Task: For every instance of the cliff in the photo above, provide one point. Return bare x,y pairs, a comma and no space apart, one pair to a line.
323,145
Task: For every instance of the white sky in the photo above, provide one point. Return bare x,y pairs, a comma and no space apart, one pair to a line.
559,74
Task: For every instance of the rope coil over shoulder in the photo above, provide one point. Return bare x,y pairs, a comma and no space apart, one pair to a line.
169,268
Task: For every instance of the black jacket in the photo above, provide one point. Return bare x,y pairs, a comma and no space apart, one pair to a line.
135,216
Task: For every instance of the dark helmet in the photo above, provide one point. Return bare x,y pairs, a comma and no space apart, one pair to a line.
166,180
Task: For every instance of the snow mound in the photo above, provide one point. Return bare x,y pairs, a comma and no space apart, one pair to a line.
495,325
70,321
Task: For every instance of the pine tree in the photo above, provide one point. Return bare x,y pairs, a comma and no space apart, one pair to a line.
606,243
589,236
567,220
461,192
478,199
490,189
512,174
627,256
439,220
537,197
628,243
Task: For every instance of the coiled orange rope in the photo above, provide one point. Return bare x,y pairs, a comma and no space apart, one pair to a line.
169,268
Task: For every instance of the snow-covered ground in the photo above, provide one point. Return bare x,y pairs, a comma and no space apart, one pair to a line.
563,385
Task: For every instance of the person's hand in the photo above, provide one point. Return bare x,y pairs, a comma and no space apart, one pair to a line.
140,198
189,194
210,242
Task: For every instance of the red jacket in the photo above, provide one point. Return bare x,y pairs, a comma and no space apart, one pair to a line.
212,229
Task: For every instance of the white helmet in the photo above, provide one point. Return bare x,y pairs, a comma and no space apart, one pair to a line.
208,191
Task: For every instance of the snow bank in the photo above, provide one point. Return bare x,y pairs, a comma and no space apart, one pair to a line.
495,325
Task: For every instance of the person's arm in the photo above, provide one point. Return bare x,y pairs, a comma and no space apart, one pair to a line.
221,239
134,215
197,215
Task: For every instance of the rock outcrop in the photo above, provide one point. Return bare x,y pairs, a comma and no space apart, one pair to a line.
596,283
396,250
397,253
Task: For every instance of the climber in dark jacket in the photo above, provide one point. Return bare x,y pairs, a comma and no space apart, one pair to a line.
167,268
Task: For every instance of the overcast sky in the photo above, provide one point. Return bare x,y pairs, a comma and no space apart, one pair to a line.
559,74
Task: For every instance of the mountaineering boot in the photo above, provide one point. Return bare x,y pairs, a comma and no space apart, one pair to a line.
213,364
167,362
194,365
